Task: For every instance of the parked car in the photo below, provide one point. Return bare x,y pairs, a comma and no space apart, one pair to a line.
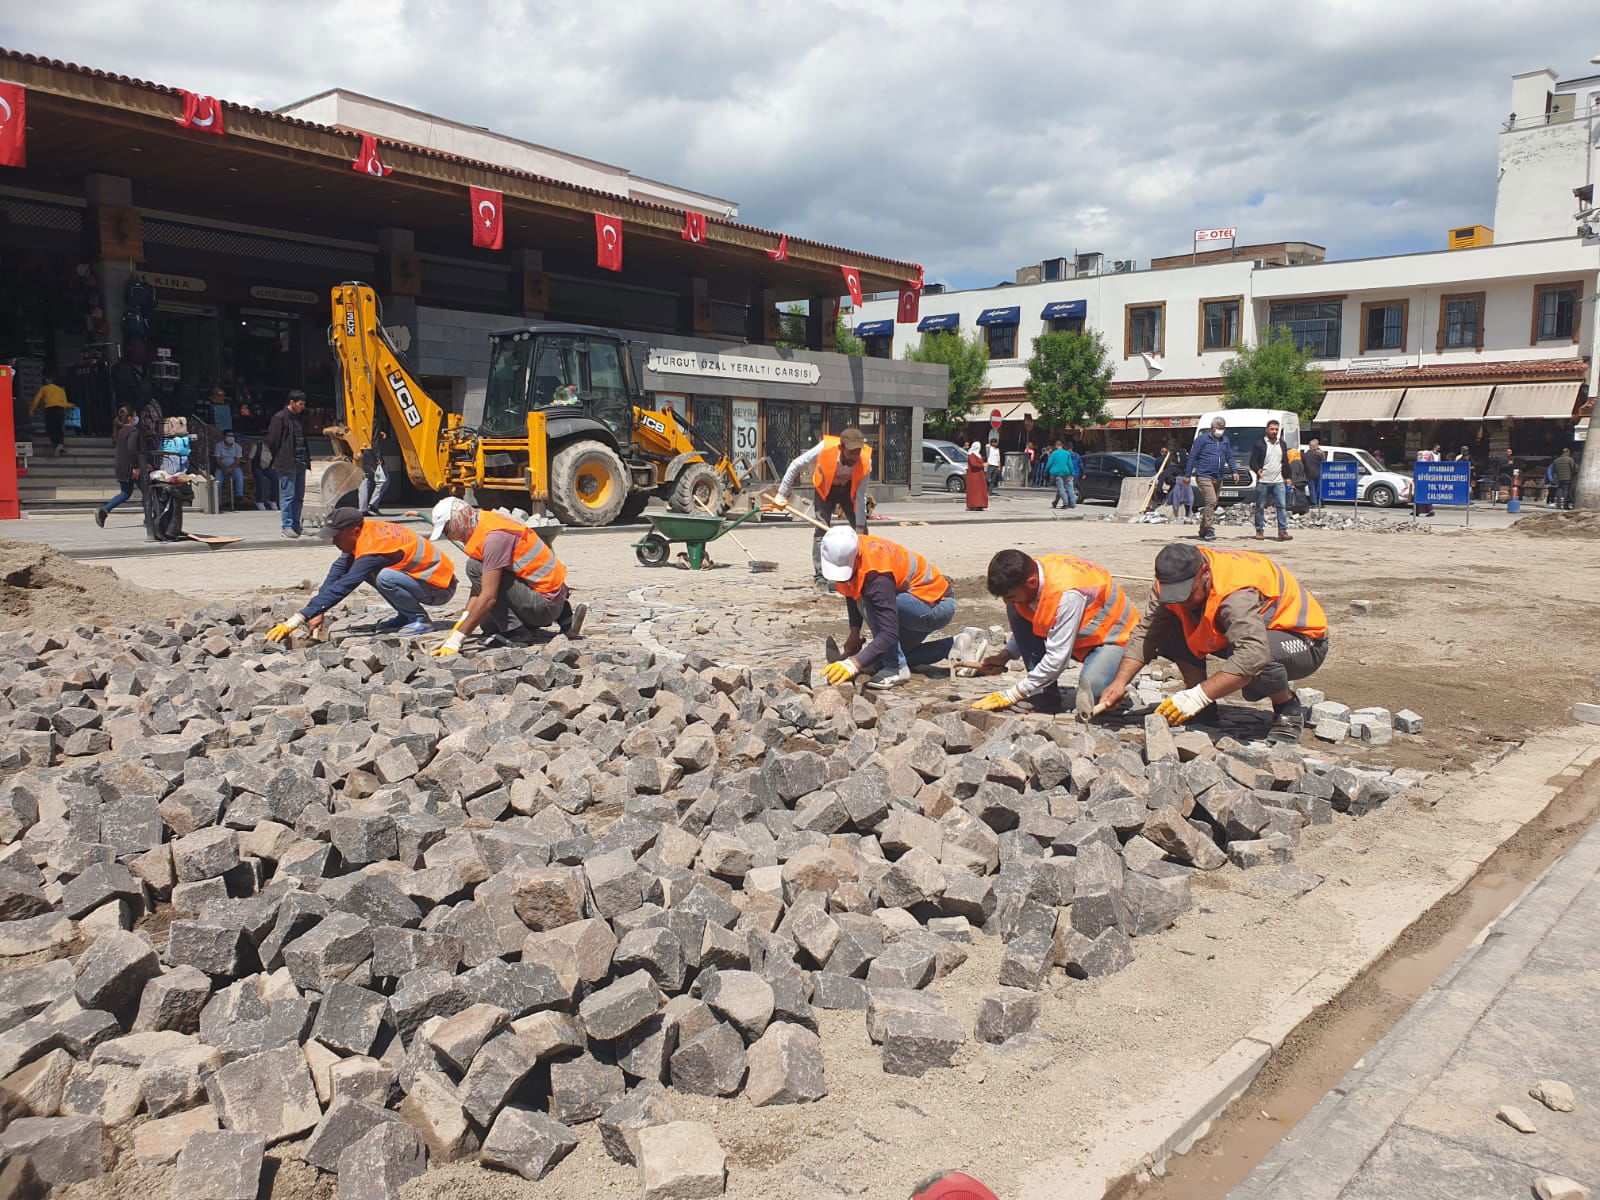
1103,473
1375,484
944,467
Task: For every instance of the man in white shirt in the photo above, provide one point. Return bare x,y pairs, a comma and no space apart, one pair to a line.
1268,460
993,463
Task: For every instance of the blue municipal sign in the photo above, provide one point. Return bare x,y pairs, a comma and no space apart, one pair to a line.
1339,481
1447,483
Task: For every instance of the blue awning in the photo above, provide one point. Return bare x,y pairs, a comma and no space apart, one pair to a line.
1065,310
939,323
876,328
1000,316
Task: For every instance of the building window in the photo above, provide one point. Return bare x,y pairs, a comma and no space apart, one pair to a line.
1144,329
1315,325
1219,323
1555,312
1002,340
1461,322
1383,325
1067,325
879,347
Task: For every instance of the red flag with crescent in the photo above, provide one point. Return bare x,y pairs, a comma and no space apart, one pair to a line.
910,306
368,162
201,112
608,242
852,280
488,218
694,227
13,125
781,254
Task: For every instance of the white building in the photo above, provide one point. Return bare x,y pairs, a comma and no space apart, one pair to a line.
1492,347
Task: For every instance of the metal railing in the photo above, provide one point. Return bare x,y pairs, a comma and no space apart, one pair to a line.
1555,117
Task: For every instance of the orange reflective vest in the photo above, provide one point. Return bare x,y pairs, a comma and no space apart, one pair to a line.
532,561
421,558
1286,604
909,570
828,466
1108,615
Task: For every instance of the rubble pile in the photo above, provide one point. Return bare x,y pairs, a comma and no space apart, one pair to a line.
406,910
1329,517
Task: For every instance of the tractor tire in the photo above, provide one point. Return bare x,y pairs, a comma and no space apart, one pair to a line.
588,484
699,482
635,504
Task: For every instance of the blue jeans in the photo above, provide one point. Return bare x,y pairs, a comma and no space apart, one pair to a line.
1096,672
127,486
918,619
292,496
1064,492
1276,493
266,486
237,474
407,594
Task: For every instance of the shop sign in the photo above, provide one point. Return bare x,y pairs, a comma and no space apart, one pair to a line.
278,295
746,430
175,283
732,366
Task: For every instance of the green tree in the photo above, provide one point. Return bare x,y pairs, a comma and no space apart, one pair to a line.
793,333
1274,374
968,360
1069,378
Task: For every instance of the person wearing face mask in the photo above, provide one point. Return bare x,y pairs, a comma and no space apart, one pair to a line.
227,458
1209,457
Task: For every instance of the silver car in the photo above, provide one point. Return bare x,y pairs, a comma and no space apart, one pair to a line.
944,467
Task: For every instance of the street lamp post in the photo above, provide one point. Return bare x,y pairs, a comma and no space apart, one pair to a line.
1151,369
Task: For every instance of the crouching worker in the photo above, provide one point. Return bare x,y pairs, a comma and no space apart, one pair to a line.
517,580
900,595
406,570
1262,624
1061,609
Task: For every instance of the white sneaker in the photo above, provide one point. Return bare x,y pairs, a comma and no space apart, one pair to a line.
885,680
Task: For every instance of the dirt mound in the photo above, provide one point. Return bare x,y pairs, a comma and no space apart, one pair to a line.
1560,524
42,587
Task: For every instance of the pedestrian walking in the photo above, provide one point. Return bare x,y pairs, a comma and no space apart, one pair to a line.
52,397
1267,463
977,479
1058,468
228,459
126,442
291,459
1565,469
1209,457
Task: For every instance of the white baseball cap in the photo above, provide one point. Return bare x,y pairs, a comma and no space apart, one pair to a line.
839,546
449,507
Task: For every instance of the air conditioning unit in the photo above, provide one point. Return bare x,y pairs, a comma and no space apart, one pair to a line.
1056,268
1469,236
1123,266
933,289
1091,264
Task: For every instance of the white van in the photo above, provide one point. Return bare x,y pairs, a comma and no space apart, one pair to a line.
1246,427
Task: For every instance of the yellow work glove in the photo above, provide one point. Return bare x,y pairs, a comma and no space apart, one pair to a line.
1181,706
452,645
995,701
283,629
842,671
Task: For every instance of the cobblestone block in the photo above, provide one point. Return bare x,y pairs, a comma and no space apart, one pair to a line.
526,1142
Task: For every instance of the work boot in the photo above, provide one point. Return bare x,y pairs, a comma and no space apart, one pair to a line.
100,517
1208,535
1261,535
1284,536
570,622
1288,722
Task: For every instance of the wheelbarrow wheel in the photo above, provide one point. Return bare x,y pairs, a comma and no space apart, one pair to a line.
653,551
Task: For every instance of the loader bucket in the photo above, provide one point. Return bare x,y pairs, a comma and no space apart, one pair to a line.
340,480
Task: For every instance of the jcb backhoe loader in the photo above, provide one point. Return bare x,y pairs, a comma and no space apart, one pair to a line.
562,430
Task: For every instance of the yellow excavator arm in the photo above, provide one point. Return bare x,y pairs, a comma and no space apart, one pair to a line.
372,374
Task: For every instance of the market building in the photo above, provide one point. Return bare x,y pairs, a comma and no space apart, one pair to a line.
238,239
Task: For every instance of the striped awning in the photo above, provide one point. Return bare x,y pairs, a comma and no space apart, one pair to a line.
1179,406
1444,404
1551,401
1359,404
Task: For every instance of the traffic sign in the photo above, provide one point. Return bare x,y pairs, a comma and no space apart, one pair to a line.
1339,481
1446,483
994,418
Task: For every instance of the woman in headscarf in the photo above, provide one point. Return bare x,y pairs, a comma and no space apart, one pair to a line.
977,479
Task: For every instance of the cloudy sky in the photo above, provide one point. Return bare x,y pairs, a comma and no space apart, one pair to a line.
970,137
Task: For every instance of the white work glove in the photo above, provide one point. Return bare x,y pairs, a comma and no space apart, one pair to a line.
452,645
283,629
1181,706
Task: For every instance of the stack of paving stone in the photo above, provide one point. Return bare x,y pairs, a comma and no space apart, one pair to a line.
397,910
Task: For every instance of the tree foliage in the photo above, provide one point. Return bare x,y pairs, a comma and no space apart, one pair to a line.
1069,378
1274,374
792,324
968,360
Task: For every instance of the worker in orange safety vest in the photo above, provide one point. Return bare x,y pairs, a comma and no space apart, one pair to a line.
840,467
901,596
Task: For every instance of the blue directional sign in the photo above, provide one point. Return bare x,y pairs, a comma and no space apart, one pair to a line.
1446,483
1339,481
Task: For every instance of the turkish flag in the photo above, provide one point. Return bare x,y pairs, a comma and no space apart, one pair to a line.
201,112
910,306
694,227
917,282
608,242
781,254
852,280
13,125
488,218
368,162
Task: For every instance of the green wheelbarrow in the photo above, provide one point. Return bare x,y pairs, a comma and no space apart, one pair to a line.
694,531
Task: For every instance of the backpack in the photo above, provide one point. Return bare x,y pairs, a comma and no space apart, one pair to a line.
140,294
